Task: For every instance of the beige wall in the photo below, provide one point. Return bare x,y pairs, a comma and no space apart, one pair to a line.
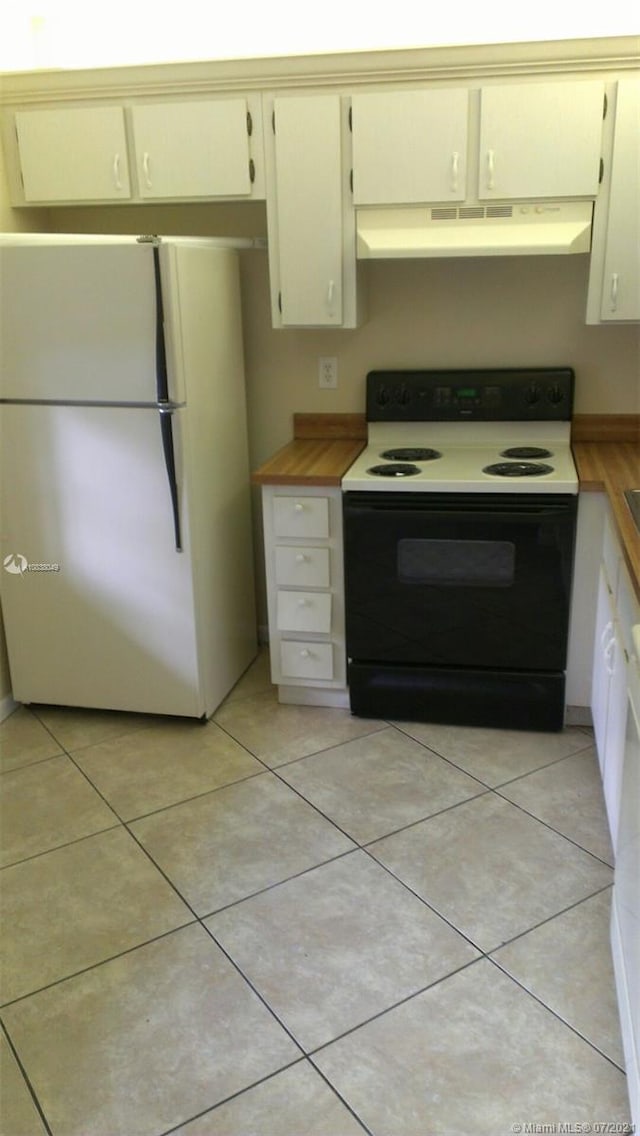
440,313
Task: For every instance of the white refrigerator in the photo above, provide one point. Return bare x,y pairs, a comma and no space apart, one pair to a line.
125,523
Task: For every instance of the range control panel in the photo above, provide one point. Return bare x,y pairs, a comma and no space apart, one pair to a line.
535,394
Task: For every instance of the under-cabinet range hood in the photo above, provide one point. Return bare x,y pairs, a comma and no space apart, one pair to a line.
504,229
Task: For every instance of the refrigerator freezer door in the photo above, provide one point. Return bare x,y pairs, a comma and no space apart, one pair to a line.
77,326
100,611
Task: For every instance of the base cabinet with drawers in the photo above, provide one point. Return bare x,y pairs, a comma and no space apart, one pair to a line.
305,593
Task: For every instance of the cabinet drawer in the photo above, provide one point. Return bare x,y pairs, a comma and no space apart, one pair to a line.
302,566
304,611
301,516
306,660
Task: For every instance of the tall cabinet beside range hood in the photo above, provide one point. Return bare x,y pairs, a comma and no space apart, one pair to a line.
500,170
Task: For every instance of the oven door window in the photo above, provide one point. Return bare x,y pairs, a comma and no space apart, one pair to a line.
457,563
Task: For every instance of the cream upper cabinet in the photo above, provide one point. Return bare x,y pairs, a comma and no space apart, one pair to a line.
540,140
73,154
521,140
409,146
620,298
310,218
194,149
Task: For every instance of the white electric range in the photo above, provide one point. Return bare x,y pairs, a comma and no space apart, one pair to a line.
459,533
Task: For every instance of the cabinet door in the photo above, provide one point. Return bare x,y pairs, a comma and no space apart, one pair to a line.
603,646
308,210
540,140
77,154
621,278
409,146
192,149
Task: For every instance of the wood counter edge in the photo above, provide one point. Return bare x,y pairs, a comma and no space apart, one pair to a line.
611,468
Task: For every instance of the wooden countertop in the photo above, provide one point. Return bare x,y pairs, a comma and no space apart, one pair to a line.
323,448
613,467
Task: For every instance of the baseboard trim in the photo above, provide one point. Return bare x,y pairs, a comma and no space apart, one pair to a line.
7,706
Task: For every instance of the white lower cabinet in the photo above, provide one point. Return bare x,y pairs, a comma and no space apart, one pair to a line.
305,593
617,611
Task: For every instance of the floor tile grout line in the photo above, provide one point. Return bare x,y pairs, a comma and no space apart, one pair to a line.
510,780
429,905
195,797
96,965
59,847
550,918
344,1101
30,764
550,827
280,883
112,737
26,1079
555,1014
315,1049
234,1096
252,987
301,757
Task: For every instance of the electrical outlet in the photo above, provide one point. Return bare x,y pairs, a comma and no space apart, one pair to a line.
327,372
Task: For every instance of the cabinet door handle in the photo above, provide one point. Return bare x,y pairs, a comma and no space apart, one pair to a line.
146,169
117,181
614,291
299,507
491,169
302,603
608,628
455,163
609,656
300,558
305,654
331,292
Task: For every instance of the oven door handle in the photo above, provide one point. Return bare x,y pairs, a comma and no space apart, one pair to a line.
463,513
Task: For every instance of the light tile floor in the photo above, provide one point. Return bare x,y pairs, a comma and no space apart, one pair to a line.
293,922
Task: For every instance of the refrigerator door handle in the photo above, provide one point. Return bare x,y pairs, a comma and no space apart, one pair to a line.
162,376
166,429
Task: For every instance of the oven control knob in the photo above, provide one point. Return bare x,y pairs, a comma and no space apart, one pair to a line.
532,395
554,394
383,397
405,396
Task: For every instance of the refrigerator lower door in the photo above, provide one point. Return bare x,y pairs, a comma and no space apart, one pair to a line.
98,605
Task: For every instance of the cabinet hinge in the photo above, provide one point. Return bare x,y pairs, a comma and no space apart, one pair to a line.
605,105
249,123
280,302
252,170
601,173
273,121
351,119
351,180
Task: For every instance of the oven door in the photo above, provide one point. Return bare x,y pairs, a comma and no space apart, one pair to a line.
447,580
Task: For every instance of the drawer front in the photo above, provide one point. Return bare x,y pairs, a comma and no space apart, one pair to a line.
306,660
302,567
301,516
304,611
